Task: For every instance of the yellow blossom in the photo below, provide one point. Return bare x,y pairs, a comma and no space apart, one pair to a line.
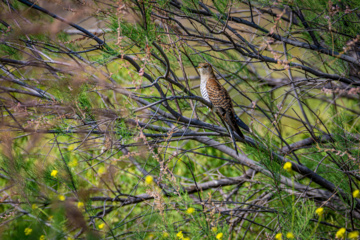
287,166
50,218
27,231
42,237
319,211
101,170
71,147
356,193
101,226
80,205
290,235
187,238
340,233
34,206
165,235
353,235
151,236
54,173
73,163
70,238
149,179
180,235
190,210
62,198
214,229
219,236
278,236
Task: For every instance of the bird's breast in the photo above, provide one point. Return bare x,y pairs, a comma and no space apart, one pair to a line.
203,90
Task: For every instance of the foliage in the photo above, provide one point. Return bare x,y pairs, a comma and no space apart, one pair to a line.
104,134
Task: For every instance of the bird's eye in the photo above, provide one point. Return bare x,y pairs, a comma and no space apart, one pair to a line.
205,66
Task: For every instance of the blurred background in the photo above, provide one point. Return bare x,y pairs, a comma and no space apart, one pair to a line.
104,133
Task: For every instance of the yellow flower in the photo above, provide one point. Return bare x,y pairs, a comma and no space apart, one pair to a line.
190,210
101,226
319,211
42,237
219,236
62,198
165,235
151,236
340,233
149,179
54,173
353,235
214,229
70,238
50,218
73,163
287,166
278,236
101,170
180,235
187,238
27,231
71,147
356,193
290,235
80,205
34,206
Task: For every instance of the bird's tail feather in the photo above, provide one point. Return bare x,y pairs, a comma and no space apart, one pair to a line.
241,124
232,138
229,128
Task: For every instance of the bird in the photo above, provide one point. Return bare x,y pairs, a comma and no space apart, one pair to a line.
214,92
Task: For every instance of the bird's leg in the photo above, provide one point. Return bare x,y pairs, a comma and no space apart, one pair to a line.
210,110
213,111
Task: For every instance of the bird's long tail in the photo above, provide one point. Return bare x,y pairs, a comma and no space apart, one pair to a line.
231,124
229,128
241,124
234,141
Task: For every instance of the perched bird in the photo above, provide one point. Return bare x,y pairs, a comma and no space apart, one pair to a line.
214,92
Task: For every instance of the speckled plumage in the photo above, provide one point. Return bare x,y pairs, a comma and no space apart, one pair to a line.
214,92
222,102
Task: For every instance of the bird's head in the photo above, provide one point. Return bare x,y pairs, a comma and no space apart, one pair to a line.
205,69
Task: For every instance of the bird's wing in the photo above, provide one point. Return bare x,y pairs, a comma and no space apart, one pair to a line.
217,94
231,120
241,124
